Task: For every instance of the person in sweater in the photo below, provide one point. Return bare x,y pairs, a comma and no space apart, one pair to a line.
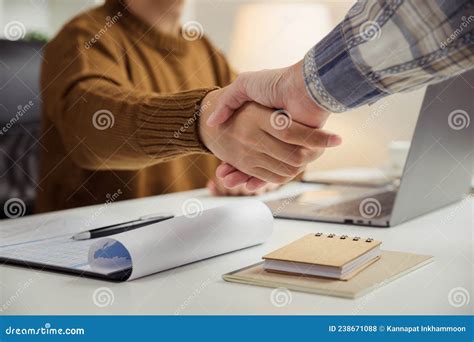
125,90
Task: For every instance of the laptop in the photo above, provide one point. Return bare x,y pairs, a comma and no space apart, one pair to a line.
437,172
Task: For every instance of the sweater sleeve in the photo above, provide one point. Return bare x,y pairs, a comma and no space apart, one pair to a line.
103,121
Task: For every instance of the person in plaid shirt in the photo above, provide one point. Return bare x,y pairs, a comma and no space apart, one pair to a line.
380,48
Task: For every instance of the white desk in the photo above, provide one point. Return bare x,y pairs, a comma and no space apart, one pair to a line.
199,289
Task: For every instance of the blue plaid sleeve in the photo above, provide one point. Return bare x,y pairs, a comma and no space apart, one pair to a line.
386,47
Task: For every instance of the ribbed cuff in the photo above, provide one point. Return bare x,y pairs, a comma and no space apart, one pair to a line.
169,125
333,79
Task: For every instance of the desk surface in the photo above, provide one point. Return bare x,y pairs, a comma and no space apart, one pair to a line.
199,289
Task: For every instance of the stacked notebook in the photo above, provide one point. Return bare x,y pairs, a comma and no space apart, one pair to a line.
332,265
329,256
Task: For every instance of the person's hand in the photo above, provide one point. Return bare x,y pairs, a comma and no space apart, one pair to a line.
279,88
217,188
251,142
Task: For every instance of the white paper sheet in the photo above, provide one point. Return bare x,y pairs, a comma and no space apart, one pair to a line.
149,249
183,240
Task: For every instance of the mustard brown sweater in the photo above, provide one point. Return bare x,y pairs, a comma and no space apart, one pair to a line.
121,103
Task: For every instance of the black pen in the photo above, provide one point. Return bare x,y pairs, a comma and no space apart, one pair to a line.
121,227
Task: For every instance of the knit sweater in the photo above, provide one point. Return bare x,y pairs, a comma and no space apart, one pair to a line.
121,109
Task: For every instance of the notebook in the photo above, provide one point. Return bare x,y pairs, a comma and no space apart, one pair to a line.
391,266
330,256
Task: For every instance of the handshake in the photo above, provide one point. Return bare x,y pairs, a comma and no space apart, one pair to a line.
265,127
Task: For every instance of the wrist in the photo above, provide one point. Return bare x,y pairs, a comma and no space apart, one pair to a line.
207,107
294,80
297,96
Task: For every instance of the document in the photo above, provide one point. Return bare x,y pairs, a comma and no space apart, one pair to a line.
152,248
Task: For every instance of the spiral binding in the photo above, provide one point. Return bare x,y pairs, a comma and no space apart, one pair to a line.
344,237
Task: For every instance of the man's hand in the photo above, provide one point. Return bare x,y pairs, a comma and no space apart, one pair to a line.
258,146
278,88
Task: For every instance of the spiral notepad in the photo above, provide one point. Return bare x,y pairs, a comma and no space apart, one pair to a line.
391,266
330,256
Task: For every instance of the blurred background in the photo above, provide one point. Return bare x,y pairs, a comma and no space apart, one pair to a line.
250,33
254,34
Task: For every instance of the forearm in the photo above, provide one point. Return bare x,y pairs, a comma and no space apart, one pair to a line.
384,49
109,127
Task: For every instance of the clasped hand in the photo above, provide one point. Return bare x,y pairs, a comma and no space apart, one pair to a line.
264,127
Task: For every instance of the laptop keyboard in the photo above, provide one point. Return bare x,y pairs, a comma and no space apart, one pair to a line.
374,206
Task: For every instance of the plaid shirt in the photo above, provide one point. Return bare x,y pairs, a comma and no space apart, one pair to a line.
388,46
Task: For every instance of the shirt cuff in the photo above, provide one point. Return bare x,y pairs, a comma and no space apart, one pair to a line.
333,79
